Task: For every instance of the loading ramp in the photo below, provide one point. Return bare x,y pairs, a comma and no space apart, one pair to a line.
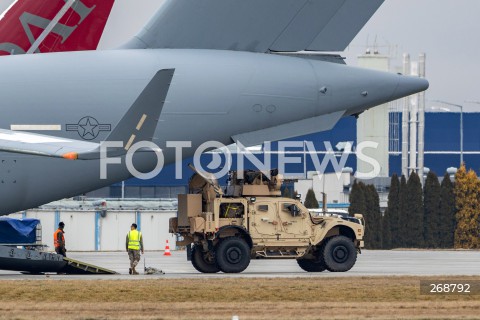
79,267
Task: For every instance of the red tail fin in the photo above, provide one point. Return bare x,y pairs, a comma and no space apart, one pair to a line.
80,28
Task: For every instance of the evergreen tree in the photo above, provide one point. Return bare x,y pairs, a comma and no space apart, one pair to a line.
373,232
310,200
402,231
365,200
414,212
286,193
446,229
358,204
431,218
370,226
391,217
386,230
357,199
468,206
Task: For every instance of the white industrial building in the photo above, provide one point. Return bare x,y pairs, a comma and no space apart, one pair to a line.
373,124
335,186
104,228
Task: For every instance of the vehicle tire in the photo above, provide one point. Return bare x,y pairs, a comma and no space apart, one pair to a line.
232,255
312,265
202,261
339,254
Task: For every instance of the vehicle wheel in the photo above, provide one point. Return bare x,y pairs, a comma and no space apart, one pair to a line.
203,261
233,255
339,254
312,265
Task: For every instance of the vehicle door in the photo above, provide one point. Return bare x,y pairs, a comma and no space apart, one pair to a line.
263,220
291,220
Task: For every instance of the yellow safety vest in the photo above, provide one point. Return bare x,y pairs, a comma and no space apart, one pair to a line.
134,239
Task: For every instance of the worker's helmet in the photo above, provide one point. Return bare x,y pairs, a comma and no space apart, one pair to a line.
61,225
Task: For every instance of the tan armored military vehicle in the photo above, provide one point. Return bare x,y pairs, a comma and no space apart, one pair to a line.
224,229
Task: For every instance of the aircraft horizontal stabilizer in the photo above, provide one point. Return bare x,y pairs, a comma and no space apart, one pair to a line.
290,130
42,145
138,124
256,25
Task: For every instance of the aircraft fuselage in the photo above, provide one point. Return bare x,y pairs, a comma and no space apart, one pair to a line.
215,95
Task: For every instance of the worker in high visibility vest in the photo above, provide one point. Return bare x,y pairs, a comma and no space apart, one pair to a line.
134,246
59,240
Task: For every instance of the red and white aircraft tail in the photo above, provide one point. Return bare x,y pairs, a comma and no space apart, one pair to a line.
31,26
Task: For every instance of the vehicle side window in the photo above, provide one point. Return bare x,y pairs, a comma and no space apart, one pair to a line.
291,208
262,207
231,210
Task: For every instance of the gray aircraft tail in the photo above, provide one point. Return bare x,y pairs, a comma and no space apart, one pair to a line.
256,25
140,121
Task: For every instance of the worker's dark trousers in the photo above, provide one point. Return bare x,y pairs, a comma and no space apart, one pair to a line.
61,250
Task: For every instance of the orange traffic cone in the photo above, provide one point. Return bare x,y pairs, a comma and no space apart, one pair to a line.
167,250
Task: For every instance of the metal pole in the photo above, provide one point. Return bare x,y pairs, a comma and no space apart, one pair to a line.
305,160
461,135
405,118
421,119
413,135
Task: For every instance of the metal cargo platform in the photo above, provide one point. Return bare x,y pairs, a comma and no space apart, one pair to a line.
79,267
39,262
31,261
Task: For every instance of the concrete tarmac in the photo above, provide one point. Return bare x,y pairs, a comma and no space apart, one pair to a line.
369,263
